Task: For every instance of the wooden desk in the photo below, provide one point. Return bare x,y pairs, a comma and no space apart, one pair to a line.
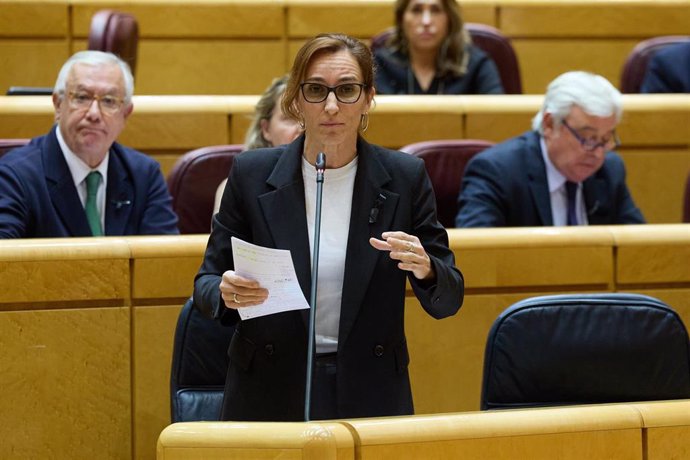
635,431
255,441
87,323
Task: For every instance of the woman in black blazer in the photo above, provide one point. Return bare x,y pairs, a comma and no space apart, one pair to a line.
378,230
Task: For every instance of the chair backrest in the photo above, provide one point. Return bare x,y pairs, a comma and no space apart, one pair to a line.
199,365
686,200
8,144
193,182
585,349
116,32
635,65
492,42
445,161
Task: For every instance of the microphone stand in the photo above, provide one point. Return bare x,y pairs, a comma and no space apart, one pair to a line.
320,167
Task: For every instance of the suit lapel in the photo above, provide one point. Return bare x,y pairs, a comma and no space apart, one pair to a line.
361,257
61,187
538,183
119,197
285,213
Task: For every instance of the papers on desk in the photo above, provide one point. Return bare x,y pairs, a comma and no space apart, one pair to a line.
273,269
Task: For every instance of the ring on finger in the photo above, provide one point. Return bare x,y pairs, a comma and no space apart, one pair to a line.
234,298
409,247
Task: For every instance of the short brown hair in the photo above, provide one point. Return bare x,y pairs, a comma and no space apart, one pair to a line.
325,43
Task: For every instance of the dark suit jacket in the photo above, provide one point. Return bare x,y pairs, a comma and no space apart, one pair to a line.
506,186
264,204
393,75
668,70
38,198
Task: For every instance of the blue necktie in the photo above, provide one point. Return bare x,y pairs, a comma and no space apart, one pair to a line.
92,214
571,192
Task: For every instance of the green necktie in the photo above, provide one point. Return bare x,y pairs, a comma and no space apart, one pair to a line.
92,214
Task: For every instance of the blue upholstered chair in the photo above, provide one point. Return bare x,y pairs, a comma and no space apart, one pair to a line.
585,349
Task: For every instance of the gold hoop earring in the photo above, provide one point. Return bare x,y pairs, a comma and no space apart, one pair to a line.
364,122
300,121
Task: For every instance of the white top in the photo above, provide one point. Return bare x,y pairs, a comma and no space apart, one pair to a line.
80,170
336,205
558,194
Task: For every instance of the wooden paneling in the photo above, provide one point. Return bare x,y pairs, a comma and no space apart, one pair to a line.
175,18
667,425
656,179
593,18
47,56
542,60
36,273
152,344
34,19
179,38
65,378
564,433
255,441
71,346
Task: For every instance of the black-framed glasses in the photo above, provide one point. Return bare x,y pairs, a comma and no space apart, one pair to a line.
82,100
591,144
347,93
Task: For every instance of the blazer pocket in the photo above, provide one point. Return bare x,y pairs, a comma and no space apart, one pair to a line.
241,352
402,357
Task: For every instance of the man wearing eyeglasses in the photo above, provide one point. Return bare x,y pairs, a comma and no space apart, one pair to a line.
76,180
564,172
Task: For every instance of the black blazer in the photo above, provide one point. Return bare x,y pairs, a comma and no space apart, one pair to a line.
264,204
394,75
506,186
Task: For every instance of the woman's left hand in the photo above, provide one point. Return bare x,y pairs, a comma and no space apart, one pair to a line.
408,250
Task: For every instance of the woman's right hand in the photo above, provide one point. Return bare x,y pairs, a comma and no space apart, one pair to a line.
240,292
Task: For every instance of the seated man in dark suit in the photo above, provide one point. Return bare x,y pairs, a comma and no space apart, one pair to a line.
561,173
76,180
668,70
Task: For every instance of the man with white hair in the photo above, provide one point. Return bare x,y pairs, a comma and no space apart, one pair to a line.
76,180
564,172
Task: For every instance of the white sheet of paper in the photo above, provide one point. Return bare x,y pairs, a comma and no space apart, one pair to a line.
274,270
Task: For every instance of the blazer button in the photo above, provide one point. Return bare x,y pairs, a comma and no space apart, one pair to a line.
378,351
268,349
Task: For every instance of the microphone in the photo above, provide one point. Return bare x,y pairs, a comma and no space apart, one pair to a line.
320,167
120,203
376,208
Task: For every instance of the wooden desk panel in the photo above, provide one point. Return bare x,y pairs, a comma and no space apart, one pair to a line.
593,18
176,19
66,379
656,179
155,274
34,18
541,60
48,273
564,433
242,441
164,267
652,256
46,58
667,425
152,343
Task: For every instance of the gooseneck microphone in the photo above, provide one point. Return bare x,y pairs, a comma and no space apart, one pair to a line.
320,167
